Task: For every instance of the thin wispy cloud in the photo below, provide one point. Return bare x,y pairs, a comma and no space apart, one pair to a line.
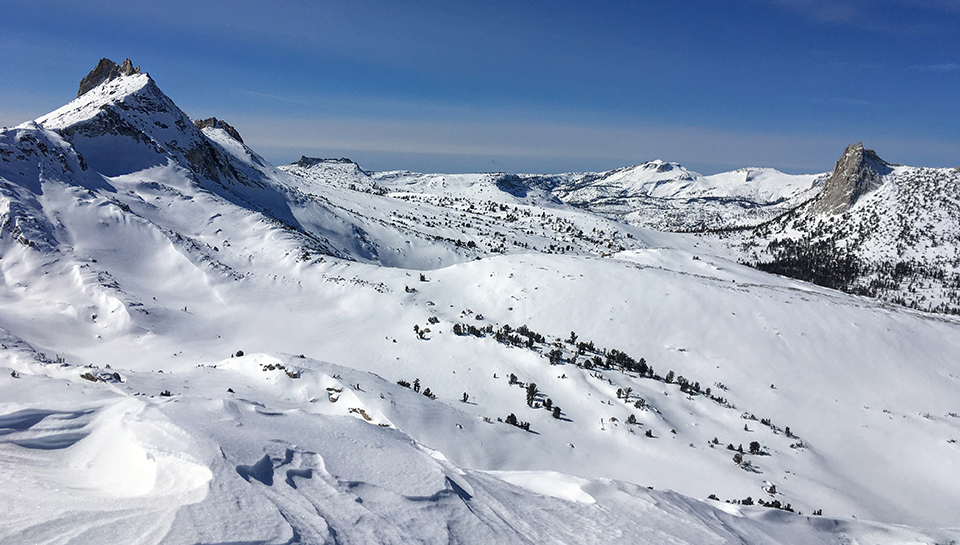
903,17
823,12
274,97
939,68
858,102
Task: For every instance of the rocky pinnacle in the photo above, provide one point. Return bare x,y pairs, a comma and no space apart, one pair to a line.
213,122
106,70
857,172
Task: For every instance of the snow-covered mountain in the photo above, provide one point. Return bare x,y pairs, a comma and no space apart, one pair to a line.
198,347
869,227
668,197
875,229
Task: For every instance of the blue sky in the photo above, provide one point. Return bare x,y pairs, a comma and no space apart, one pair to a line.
534,86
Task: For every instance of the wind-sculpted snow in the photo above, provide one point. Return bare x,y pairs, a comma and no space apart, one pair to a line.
198,347
254,450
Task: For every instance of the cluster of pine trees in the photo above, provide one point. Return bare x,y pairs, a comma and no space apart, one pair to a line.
584,355
416,388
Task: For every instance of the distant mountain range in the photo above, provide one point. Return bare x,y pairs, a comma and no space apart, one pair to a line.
869,227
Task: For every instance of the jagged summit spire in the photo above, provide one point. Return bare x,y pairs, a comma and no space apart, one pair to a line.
218,124
106,70
857,172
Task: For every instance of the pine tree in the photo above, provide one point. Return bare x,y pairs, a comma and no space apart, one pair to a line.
531,394
555,356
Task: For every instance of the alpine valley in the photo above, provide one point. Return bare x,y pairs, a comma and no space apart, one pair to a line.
197,346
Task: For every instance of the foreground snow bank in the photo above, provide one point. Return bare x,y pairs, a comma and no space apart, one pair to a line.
280,449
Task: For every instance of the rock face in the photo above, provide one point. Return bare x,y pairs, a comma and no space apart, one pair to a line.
307,162
857,172
213,122
106,70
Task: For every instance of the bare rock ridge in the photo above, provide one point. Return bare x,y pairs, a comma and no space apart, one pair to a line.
858,172
213,122
106,70
307,162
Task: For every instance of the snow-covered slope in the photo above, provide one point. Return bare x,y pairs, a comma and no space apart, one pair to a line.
215,350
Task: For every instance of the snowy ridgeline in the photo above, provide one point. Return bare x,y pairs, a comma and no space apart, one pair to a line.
507,367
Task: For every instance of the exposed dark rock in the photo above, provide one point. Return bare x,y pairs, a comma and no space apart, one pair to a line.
312,161
106,70
127,68
218,124
857,172
519,185
108,121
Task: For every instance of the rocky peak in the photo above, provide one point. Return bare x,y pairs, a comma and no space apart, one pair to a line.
106,70
858,172
213,122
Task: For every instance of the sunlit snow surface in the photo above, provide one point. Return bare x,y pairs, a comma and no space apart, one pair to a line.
150,279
